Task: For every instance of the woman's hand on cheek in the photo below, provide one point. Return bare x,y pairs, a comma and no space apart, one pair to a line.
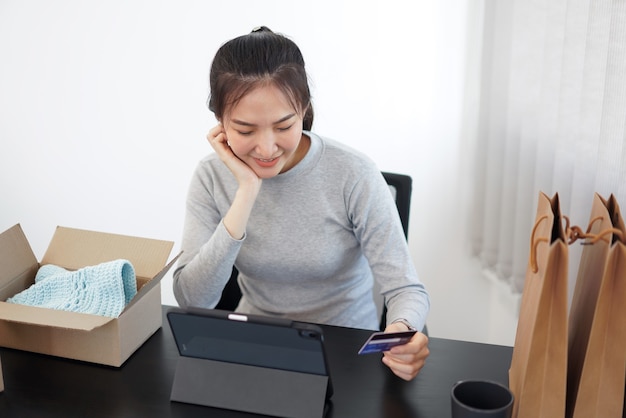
406,361
218,140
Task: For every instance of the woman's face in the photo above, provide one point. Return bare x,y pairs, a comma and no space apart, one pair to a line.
265,131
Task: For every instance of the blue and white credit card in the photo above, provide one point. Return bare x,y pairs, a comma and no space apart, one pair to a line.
384,341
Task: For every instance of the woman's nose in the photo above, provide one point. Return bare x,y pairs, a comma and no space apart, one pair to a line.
266,146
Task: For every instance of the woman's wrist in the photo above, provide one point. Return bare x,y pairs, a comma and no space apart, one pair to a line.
406,323
237,217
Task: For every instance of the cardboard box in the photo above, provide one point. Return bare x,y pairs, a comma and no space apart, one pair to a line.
79,336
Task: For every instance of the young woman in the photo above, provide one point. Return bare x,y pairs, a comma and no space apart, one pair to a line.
308,222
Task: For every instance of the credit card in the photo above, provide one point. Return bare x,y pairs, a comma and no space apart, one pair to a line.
384,341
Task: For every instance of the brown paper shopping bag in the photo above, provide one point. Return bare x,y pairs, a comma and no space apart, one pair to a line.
597,325
538,372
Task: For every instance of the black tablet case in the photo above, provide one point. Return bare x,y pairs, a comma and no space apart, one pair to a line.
249,363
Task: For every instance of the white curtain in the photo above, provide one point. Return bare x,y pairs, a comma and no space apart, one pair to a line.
549,114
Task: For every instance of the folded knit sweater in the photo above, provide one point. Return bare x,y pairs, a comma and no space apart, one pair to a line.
104,289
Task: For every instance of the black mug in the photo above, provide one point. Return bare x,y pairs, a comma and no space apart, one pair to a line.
481,399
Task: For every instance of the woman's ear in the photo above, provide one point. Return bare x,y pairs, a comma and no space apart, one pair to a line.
307,117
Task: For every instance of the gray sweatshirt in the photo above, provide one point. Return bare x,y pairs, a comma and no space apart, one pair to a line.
318,235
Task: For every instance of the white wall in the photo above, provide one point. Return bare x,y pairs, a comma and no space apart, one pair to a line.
103,117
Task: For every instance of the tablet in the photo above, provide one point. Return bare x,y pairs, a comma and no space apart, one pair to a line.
250,340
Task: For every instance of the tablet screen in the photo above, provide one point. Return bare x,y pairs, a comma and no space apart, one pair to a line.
250,340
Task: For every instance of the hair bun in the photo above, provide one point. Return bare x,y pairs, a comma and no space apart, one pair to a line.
261,29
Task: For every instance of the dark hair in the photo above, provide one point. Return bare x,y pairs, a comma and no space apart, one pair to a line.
259,58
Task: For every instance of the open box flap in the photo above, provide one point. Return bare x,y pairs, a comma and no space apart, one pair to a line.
33,315
73,248
150,284
17,262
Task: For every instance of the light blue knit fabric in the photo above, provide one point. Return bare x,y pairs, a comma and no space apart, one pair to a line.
104,289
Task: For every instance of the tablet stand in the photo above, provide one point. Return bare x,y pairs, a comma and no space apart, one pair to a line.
249,388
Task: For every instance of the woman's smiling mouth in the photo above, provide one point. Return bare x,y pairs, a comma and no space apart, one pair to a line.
266,162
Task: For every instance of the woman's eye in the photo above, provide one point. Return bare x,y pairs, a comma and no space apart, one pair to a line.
286,128
244,133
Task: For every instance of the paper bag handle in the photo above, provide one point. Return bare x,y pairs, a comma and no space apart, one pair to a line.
534,243
572,233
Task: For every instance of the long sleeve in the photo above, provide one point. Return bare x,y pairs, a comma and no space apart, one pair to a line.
379,230
209,251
